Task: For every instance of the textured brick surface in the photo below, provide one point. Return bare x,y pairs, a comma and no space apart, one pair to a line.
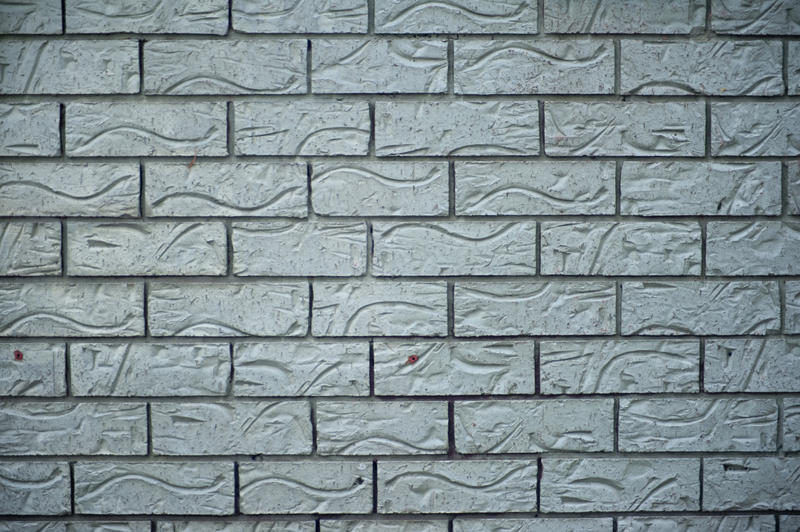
623,16
752,365
752,483
300,16
30,16
35,488
460,16
29,129
30,248
40,373
152,16
754,128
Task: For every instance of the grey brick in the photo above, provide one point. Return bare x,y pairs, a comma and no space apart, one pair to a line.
146,248
791,424
697,424
621,248
225,67
792,308
29,129
300,248
534,187
459,16
720,68
474,486
793,67
306,487
694,523
379,427
304,16
534,67
454,368
793,174
564,524
30,16
627,128
340,525
755,128
789,522
302,127
534,308
155,488
380,308
295,368
65,308
240,427
457,128
753,248
153,16
138,129
379,66
581,425
752,483
69,189
743,17
40,373
226,189
150,369
380,189
93,67
34,488
236,526
678,188
752,365
454,248
32,526
108,526
31,429
228,309
620,366
700,307
619,484
624,16
30,248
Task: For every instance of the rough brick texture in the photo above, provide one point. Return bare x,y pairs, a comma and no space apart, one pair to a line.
399,265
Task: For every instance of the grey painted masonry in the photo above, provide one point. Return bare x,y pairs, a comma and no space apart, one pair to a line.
399,265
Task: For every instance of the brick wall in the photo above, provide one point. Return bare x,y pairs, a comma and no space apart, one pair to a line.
391,265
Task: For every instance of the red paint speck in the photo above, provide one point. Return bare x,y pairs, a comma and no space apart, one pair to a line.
17,355
412,359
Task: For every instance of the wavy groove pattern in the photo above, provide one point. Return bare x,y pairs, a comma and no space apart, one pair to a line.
455,16
623,16
30,248
300,16
35,488
148,16
767,128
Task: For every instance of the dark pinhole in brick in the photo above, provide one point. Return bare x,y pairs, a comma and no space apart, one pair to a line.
17,354
358,481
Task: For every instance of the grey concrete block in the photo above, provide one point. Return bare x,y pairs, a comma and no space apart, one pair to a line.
751,483
84,67
228,309
30,248
793,67
753,248
40,373
700,307
528,67
30,16
562,524
305,487
300,248
457,128
65,308
301,368
379,308
29,129
34,488
789,522
752,365
454,368
69,189
454,248
35,429
579,425
460,16
755,128
698,424
379,66
624,16
33,526
146,248
621,248
150,16
534,187
150,369
460,486
304,16
619,366
695,523
793,174
792,308
232,427
534,308
417,525
678,188
139,129
720,68
741,17
108,526
226,189
225,67
628,128
302,127
619,484
155,488
236,526
791,424
380,189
